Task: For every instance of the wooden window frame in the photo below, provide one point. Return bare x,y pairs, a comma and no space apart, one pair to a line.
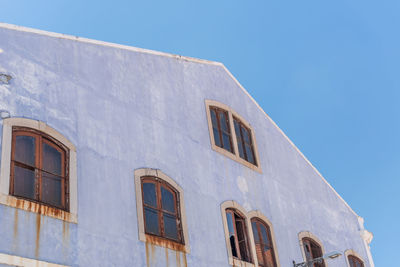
234,154
40,139
154,239
309,242
220,131
306,235
5,172
242,218
158,183
242,143
259,222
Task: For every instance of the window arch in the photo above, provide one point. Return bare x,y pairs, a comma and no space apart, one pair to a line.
38,169
353,259
311,248
231,135
160,210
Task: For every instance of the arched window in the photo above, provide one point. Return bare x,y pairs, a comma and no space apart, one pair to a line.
39,166
354,261
312,250
161,209
238,238
38,169
264,244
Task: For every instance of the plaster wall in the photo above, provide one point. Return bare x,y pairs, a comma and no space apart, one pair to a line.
125,109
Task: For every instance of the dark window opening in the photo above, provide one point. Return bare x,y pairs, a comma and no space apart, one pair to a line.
238,235
312,251
355,262
161,209
244,141
264,248
221,128
39,167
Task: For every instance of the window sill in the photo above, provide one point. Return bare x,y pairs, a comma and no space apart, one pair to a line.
239,263
34,207
166,243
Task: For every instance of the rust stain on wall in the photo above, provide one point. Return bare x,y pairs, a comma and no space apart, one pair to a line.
166,256
184,259
147,255
178,258
165,243
38,208
15,230
37,242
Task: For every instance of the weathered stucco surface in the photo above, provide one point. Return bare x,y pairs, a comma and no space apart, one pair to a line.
125,109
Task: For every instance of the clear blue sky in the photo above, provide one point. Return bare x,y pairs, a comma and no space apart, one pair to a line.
327,72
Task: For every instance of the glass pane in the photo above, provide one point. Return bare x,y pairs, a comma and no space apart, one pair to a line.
167,199
216,138
246,135
51,159
249,153
214,118
230,223
264,235
149,194
223,121
25,149
227,143
51,189
151,218
255,232
170,227
24,182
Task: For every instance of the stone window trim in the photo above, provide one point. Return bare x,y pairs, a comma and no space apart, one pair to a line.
13,260
259,215
235,155
309,235
351,252
146,172
24,204
231,204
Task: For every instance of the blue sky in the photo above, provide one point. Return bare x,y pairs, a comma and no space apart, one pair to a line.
327,72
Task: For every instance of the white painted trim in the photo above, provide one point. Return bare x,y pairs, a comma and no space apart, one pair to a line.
259,215
139,173
350,252
6,199
307,234
235,155
231,204
13,260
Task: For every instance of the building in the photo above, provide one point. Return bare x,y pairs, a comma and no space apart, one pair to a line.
118,156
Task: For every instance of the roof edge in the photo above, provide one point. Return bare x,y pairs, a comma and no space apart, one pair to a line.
290,141
103,43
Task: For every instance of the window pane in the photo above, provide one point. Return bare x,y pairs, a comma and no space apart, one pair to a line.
25,149
51,189
223,120
227,143
170,227
259,252
51,159
249,153
216,138
167,199
241,235
151,218
24,182
231,234
255,232
214,118
149,194
246,135
264,234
